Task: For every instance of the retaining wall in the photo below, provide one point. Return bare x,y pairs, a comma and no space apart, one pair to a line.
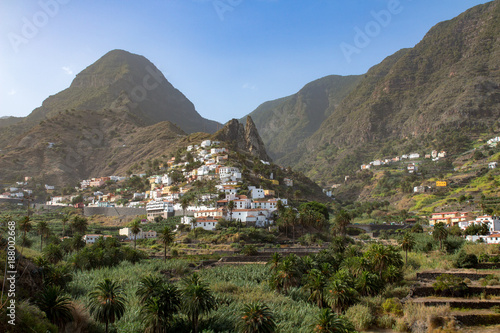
113,211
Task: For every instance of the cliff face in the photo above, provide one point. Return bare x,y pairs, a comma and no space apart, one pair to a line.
245,138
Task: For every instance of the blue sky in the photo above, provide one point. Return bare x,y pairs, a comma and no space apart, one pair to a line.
226,56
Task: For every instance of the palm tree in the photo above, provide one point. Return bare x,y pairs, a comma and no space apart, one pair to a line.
440,233
184,204
316,283
342,220
79,224
197,299
287,274
368,283
167,237
275,261
157,310
256,318
230,207
64,220
25,226
135,228
107,303
340,296
329,322
43,230
149,286
407,244
56,306
382,256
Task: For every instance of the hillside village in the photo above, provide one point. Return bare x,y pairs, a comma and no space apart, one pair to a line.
177,192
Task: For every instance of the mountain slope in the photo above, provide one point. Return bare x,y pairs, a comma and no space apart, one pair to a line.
120,81
76,145
284,123
448,83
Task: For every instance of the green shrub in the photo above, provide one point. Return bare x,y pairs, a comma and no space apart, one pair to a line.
385,321
465,260
450,285
361,316
249,250
393,305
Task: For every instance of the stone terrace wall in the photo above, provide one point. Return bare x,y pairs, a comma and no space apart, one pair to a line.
113,211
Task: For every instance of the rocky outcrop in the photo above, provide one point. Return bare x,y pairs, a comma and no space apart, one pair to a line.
243,138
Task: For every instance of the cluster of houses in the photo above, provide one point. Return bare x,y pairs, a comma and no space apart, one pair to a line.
412,167
125,232
493,142
465,219
17,191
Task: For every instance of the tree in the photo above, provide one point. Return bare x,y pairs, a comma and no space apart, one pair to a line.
107,303
368,284
316,206
79,224
256,318
25,226
407,244
382,256
64,220
328,322
230,207
135,228
184,204
56,306
440,233
159,307
43,230
340,296
167,237
196,299
287,274
342,220
53,253
316,282
275,261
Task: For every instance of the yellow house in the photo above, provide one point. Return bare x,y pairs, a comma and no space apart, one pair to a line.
269,192
441,183
275,182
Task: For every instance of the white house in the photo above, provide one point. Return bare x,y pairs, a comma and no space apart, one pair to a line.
442,154
256,193
412,168
493,142
414,156
141,235
160,208
205,223
492,165
213,213
288,181
257,216
489,239
91,238
493,223
206,143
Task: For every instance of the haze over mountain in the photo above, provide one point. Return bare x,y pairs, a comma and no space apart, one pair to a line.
120,81
285,123
448,83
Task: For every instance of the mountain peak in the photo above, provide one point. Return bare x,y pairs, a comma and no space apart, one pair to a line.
126,82
243,138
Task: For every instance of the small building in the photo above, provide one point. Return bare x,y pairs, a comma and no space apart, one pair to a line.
492,165
92,238
450,218
288,182
141,235
441,183
204,223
